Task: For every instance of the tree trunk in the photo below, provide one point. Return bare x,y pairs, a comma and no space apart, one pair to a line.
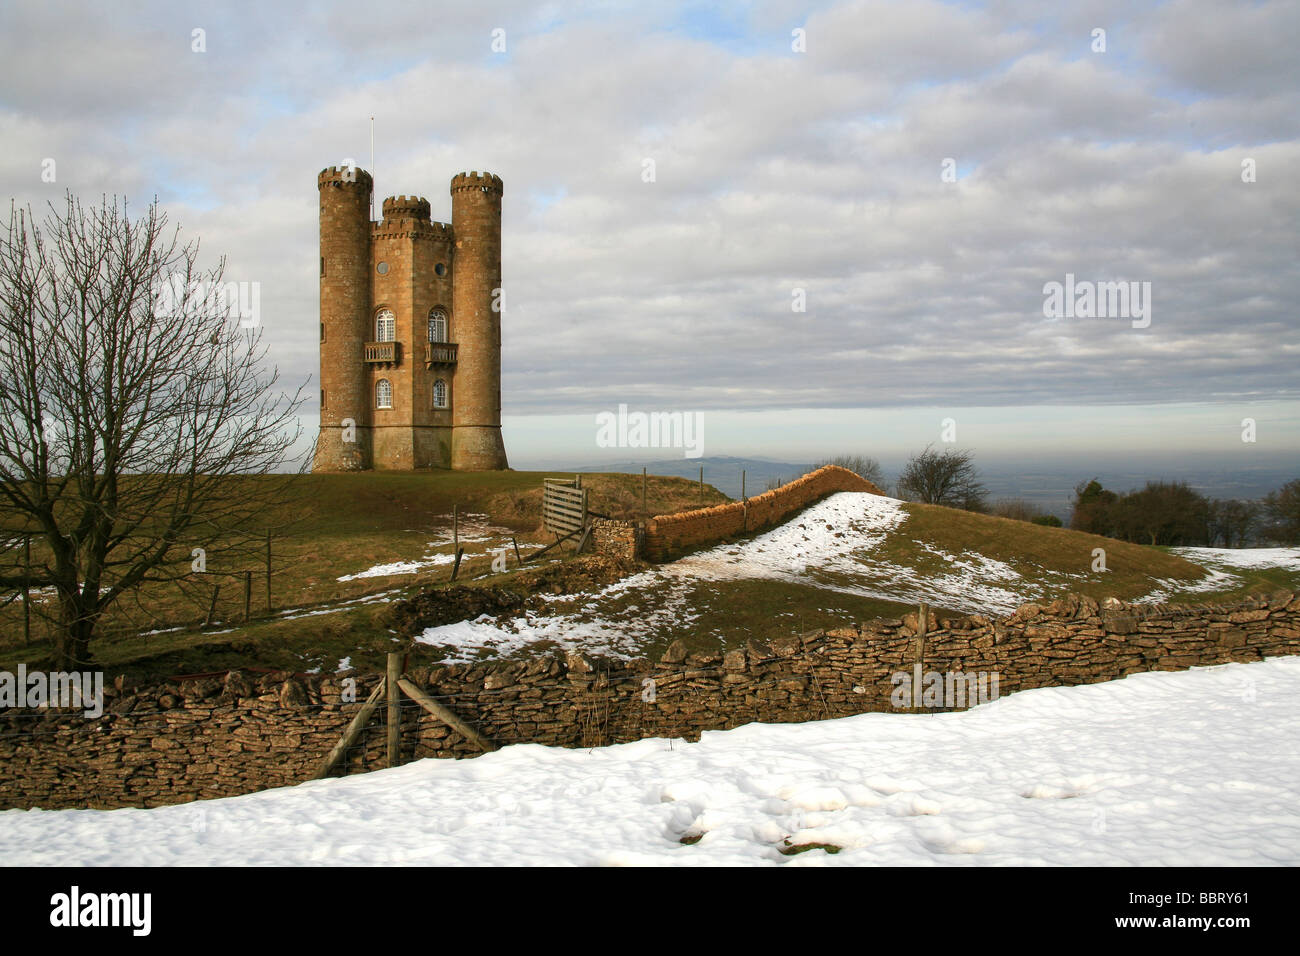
72,638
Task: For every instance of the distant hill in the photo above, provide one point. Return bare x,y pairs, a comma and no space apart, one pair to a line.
721,472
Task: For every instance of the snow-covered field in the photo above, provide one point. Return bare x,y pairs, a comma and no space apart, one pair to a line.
1198,767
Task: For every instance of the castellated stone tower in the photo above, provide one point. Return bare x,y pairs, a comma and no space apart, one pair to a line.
410,347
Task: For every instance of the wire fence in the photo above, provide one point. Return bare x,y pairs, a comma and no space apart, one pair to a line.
272,587
265,584
677,692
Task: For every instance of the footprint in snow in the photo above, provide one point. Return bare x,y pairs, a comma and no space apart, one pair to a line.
939,837
1041,791
815,798
912,805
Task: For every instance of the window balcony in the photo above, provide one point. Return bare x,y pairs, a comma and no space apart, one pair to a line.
439,353
383,353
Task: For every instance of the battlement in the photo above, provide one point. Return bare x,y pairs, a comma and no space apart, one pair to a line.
486,182
389,228
407,207
344,176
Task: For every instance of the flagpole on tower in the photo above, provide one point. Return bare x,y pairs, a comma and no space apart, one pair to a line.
372,167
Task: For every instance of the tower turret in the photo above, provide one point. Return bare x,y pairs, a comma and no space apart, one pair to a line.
345,319
410,340
476,443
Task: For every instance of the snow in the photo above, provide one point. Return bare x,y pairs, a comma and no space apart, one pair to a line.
621,632
829,532
295,613
474,528
1219,564
1242,557
1166,588
1200,767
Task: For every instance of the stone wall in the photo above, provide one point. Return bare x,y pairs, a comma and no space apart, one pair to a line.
670,536
214,737
617,539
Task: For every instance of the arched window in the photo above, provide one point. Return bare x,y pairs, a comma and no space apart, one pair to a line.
383,393
440,394
385,326
437,325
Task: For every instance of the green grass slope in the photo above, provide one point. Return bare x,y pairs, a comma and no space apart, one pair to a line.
1054,560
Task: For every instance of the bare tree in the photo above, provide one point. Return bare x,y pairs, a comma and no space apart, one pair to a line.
1232,521
942,478
861,465
1018,509
1281,513
135,412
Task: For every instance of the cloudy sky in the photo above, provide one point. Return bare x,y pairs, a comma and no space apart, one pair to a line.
798,149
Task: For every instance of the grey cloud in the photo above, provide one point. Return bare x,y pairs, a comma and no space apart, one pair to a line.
775,171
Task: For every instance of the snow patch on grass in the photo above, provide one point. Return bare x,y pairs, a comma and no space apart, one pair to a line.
1241,557
474,529
836,545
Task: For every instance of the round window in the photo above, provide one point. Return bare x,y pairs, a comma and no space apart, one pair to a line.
440,269
382,268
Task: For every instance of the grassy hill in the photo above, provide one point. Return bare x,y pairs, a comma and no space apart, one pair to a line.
1049,561
349,545
337,526
850,557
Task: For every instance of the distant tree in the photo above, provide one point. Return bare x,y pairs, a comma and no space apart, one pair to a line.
1018,509
860,465
1094,508
1161,513
942,478
1281,513
135,413
1050,521
1231,523
1167,513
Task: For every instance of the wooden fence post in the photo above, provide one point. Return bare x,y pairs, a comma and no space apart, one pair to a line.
516,544
212,608
248,594
644,512
445,715
918,669
743,496
357,725
394,709
268,573
27,583
455,568
455,530
701,484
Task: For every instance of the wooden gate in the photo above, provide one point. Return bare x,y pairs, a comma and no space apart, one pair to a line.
564,506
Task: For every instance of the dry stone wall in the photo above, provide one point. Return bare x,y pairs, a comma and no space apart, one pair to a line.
212,737
670,536
617,539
